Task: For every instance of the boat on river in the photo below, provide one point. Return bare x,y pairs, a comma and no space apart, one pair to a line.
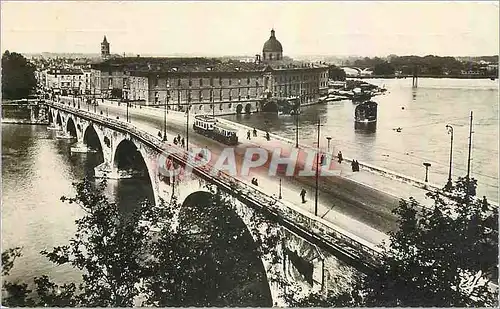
365,115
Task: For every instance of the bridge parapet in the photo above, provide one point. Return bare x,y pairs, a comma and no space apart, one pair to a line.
316,230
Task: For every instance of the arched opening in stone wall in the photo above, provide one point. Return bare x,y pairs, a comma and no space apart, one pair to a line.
248,108
239,109
91,139
223,263
58,119
71,128
129,160
134,185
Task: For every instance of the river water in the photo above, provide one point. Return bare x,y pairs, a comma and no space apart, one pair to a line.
422,115
37,170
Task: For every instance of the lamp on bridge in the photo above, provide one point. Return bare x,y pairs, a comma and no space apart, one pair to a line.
165,113
449,184
212,101
427,165
317,172
187,119
280,196
329,138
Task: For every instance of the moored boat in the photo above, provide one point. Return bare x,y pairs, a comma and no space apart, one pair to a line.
365,116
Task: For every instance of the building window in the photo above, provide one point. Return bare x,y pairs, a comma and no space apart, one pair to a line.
248,81
179,82
201,82
190,83
201,95
220,94
229,82
211,81
220,81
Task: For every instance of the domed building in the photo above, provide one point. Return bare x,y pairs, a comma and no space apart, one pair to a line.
213,85
272,49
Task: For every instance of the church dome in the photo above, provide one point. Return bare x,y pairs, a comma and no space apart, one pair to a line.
272,45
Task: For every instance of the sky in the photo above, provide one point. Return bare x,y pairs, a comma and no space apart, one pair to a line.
241,28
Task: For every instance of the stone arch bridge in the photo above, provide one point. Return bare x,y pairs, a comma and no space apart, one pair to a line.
314,255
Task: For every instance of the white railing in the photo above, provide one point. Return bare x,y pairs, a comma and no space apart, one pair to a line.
350,245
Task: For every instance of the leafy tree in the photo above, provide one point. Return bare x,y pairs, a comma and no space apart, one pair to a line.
441,256
383,68
18,76
144,256
336,73
110,248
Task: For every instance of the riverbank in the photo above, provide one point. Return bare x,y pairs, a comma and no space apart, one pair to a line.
422,76
18,121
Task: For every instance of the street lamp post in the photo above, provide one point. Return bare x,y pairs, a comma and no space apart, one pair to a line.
317,173
126,102
297,124
187,122
449,184
165,114
212,101
280,196
427,165
329,138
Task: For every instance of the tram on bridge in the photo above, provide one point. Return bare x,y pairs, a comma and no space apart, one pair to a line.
208,126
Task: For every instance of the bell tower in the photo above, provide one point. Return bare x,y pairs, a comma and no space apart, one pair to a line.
105,49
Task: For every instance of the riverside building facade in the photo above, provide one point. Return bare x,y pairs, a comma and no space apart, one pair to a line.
212,85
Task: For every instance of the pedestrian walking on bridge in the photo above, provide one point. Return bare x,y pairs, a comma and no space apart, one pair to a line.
303,195
248,135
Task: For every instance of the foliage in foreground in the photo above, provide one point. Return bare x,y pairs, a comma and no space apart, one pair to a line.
443,256
143,257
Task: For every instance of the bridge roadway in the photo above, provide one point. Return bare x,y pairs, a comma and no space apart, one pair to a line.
343,200
347,246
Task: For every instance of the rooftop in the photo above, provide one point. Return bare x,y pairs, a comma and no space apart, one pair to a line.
65,71
147,65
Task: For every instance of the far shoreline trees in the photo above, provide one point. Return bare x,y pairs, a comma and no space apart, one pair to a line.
18,76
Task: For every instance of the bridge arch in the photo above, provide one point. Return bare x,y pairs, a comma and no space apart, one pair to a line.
92,139
129,159
231,255
248,108
51,117
71,127
58,119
